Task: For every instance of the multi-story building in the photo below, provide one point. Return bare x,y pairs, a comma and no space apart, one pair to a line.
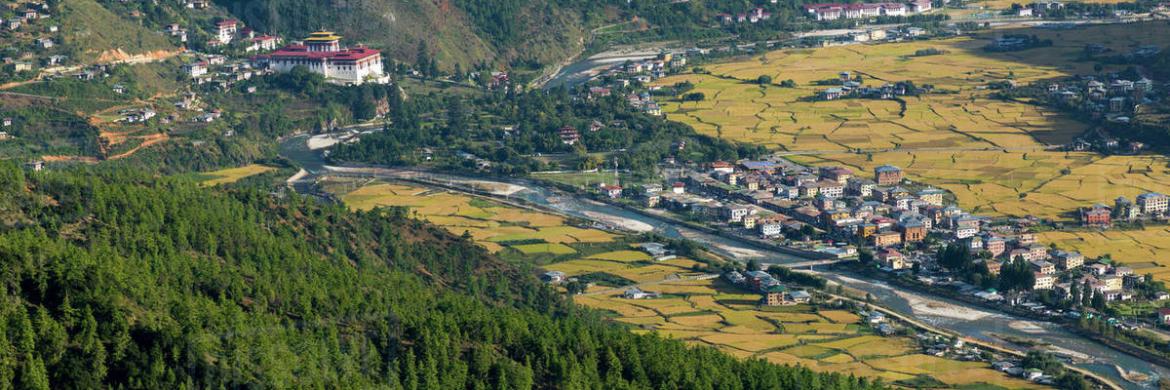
225,30
932,196
1068,260
322,53
860,187
1044,281
887,175
913,231
1152,203
892,259
1043,267
886,238
1096,215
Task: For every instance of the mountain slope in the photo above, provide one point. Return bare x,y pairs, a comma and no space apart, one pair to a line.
95,34
538,31
114,279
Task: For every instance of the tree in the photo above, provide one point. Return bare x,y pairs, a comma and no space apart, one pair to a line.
789,83
764,80
753,265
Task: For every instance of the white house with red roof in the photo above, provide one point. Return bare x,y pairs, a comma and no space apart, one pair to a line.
322,53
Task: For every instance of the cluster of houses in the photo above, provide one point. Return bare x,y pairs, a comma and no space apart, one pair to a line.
22,27
774,293
221,72
756,15
766,198
1147,206
835,11
855,89
1112,98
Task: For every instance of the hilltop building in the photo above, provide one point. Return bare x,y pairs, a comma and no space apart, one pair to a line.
322,53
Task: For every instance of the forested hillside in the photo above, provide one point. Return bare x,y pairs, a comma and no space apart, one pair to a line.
115,279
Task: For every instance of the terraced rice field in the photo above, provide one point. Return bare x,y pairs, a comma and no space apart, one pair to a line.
1143,250
995,156
490,224
232,175
708,312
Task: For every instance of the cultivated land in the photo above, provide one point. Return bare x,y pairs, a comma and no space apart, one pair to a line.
1143,250
998,158
232,175
710,312
492,225
704,312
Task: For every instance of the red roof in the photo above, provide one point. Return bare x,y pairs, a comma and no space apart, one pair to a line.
302,52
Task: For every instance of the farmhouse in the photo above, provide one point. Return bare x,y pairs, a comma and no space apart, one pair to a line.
1096,215
322,53
891,259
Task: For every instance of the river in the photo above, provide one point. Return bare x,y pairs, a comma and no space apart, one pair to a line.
958,317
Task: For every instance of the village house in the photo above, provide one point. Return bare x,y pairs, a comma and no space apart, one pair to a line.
1098,215
195,69
552,277
776,296
913,231
887,175
886,238
568,135
932,196
636,293
1043,267
1043,281
1068,260
225,30
1164,316
612,191
993,267
892,259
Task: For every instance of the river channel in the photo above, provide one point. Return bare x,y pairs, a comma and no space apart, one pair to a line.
962,318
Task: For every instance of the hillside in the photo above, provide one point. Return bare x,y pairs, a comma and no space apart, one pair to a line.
92,33
453,31
114,279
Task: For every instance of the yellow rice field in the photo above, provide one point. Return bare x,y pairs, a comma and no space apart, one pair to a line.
232,175
488,223
708,312
997,157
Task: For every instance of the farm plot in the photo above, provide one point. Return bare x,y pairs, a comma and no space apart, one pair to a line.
232,175
712,313
1143,250
492,225
996,156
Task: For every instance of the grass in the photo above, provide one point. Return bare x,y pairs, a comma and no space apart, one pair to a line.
955,141
232,175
